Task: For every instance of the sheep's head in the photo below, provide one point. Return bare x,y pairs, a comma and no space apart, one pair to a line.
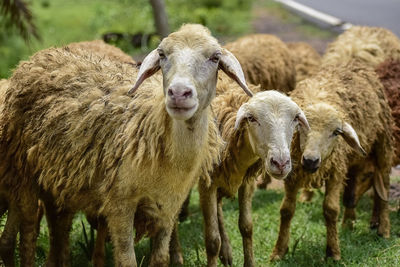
189,60
271,119
327,126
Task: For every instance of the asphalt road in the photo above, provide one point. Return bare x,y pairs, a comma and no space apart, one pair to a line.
382,13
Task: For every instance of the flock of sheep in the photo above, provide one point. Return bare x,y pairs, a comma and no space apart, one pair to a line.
83,129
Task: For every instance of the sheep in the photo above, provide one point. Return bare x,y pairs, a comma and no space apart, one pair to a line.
252,138
340,100
359,182
71,131
371,45
101,48
265,60
7,243
306,59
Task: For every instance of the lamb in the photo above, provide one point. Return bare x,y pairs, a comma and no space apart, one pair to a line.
306,59
359,182
371,45
265,60
91,138
348,101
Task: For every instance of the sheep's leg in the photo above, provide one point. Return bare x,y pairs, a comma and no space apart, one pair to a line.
287,210
3,206
59,226
374,222
175,251
349,201
120,224
208,202
246,191
8,237
382,208
331,210
225,253
160,247
28,227
99,254
184,213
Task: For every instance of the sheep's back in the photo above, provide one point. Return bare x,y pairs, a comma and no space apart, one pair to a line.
306,59
265,60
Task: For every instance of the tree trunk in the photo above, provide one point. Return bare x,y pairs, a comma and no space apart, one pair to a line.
160,17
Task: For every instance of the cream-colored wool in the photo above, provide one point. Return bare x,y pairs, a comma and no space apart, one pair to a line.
71,128
306,59
348,93
265,60
371,45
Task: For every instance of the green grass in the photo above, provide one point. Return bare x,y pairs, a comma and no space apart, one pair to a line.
360,246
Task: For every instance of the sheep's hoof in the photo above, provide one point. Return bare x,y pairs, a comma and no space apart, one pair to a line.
278,255
176,259
348,224
331,254
225,255
383,232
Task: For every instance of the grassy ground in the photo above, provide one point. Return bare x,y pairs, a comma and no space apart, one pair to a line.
360,247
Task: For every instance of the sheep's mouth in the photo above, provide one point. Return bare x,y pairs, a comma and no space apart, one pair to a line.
278,175
310,170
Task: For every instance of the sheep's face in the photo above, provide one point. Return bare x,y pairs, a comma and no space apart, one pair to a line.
189,60
327,126
271,119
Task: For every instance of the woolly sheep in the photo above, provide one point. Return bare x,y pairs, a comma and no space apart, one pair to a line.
101,48
371,45
90,137
256,130
359,182
265,60
306,59
7,243
348,101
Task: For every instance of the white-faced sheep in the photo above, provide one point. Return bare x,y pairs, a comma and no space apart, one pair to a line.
370,45
256,130
306,59
71,129
343,104
265,60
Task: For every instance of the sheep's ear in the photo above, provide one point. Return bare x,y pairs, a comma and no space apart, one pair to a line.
350,136
149,66
303,121
242,113
231,66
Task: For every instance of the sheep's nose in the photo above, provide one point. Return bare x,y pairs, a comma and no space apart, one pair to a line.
310,164
280,164
180,92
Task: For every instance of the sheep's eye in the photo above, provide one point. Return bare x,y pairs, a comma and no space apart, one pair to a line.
251,119
296,118
161,54
215,57
337,132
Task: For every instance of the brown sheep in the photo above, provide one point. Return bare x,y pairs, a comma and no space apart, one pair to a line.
348,101
371,45
306,59
265,60
362,180
75,133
